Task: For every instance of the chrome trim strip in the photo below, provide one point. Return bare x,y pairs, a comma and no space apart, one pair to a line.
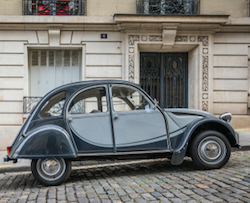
124,153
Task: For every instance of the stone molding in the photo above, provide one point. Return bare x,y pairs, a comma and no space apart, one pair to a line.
155,37
54,37
144,37
181,38
204,40
132,39
204,105
205,72
131,68
192,38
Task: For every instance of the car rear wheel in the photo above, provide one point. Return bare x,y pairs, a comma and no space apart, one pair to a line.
51,171
210,150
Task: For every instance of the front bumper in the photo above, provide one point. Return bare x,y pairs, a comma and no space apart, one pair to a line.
237,138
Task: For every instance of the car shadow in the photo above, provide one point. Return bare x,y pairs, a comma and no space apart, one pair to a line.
133,168
115,170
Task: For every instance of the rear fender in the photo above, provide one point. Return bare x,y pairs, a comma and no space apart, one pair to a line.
46,141
218,125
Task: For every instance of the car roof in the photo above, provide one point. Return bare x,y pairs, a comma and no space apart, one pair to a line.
90,82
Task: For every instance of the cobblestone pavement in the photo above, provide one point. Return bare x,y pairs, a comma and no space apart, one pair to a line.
143,181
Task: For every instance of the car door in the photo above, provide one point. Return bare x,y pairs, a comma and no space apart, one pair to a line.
88,117
137,124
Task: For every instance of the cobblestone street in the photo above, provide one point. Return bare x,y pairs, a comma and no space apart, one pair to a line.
143,181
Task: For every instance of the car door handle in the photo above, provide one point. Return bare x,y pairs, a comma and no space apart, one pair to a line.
115,117
70,119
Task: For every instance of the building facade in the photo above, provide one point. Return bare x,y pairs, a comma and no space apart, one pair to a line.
185,53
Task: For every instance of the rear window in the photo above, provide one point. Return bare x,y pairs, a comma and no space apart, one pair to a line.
54,106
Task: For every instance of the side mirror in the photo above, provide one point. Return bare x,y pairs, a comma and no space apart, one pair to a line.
155,103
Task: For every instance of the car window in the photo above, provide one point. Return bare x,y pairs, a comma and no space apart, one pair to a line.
89,101
128,99
54,106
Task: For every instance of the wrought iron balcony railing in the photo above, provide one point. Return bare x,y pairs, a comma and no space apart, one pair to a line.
168,7
29,103
54,7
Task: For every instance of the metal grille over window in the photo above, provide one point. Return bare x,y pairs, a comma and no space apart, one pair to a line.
165,77
54,7
29,103
168,7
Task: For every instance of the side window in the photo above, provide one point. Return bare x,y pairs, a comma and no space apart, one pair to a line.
128,99
89,101
54,106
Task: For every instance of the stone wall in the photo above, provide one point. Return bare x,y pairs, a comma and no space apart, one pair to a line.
11,7
110,7
230,73
101,59
234,8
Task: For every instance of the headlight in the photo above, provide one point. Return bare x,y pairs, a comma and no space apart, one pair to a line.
226,117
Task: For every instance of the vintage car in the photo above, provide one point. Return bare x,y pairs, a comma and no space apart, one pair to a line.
112,119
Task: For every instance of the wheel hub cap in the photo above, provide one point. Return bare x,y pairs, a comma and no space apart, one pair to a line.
51,169
212,150
51,166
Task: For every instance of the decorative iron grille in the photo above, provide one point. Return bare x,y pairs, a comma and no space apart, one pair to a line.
164,76
29,103
168,7
54,7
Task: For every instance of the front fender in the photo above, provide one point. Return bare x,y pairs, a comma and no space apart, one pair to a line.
46,141
180,151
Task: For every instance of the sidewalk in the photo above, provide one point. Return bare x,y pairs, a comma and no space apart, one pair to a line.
24,164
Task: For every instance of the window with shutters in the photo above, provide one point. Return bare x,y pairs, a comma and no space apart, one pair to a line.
49,69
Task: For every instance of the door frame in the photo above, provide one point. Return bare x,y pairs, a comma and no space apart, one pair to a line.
66,115
144,93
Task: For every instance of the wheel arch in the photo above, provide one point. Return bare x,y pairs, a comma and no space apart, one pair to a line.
215,126
198,126
46,141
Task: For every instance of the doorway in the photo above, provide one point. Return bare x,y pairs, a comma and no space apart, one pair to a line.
164,76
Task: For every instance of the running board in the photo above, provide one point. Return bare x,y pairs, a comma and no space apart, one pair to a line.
125,153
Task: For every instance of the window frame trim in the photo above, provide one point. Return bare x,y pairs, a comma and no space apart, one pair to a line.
139,110
44,102
85,89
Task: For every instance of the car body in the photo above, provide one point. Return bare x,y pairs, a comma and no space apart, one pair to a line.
112,119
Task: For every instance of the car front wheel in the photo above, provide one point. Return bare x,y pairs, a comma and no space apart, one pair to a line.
51,171
210,150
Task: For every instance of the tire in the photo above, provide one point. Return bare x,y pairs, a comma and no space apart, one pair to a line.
210,150
51,171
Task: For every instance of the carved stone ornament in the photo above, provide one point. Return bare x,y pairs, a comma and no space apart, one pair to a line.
131,68
205,50
181,38
192,38
132,39
204,40
155,38
205,96
144,38
131,49
205,73
204,105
